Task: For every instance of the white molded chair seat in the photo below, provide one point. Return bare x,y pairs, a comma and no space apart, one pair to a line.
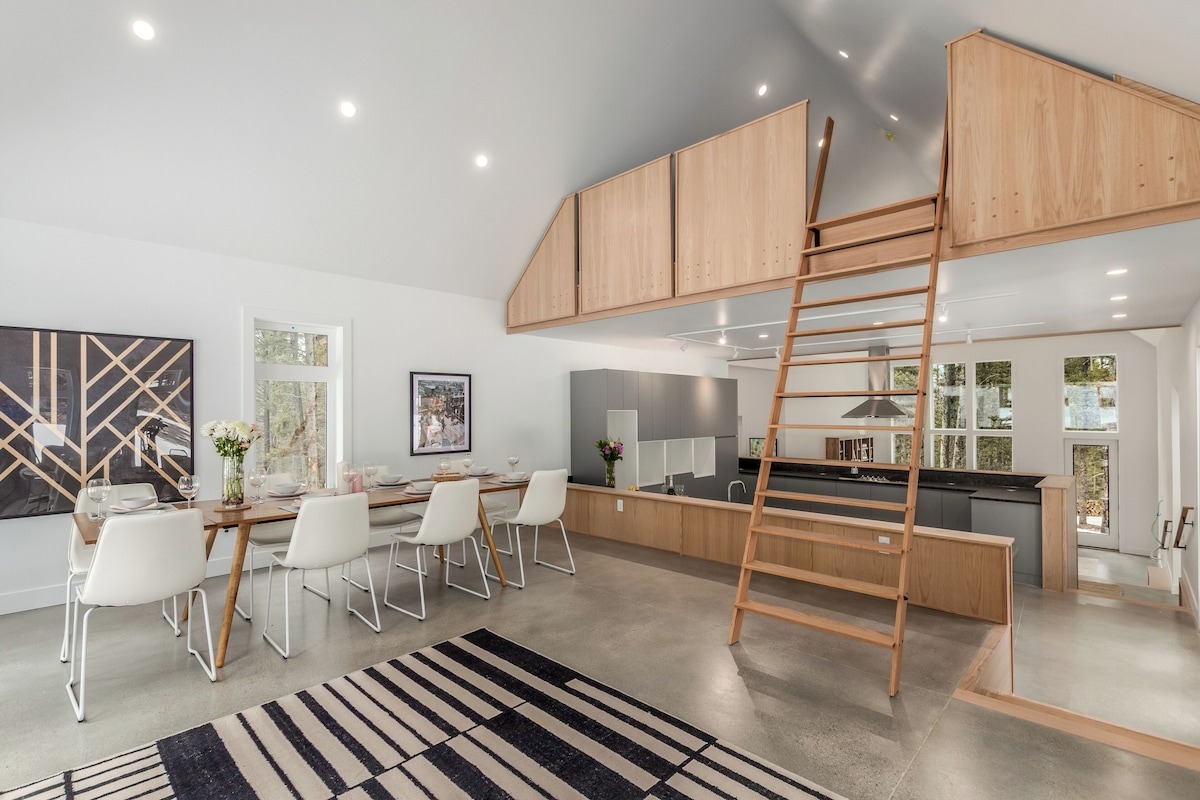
451,516
270,536
330,531
79,555
544,502
143,559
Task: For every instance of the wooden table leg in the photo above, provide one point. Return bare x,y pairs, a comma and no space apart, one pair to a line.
235,579
487,536
210,537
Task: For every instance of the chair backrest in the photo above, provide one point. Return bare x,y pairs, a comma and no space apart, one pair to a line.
545,498
329,531
78,550
452,514
276,478
147,557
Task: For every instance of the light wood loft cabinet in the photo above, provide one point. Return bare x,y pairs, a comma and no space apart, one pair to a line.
740,204
546,290
1043,152
625,239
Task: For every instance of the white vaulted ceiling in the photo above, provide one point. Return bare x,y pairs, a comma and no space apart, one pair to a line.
223,133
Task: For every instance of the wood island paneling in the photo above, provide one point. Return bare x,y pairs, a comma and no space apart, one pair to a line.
625,239
955,571
546,290
741,204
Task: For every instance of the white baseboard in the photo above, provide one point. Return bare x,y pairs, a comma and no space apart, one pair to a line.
1187,598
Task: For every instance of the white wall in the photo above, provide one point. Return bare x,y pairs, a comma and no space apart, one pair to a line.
58,278
1180,354
755,385
1038,437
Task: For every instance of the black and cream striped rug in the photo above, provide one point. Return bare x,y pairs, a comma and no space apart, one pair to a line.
476,716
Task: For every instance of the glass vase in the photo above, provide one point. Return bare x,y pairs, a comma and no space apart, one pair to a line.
233,482
610,474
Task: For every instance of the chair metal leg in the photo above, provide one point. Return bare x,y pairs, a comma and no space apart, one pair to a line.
66,642
351,580
486,594
173,619
374,604
323,595
77,703
570,558
286,650
393,560
208,666
487,564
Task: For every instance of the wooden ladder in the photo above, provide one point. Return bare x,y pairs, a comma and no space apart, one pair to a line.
891,237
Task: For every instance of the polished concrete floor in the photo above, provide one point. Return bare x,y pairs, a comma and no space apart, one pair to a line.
1126,571
649,623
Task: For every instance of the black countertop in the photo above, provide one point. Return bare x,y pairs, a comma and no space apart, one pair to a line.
955,480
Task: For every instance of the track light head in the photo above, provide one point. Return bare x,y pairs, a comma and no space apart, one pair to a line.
969,340
943,316
723,339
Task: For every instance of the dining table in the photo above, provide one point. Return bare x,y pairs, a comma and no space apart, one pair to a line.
276,509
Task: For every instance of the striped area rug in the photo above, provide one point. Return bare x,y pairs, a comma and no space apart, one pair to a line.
476,716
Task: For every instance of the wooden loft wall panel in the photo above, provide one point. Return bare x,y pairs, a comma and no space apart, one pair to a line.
741,204
1043,152
625,239
546,289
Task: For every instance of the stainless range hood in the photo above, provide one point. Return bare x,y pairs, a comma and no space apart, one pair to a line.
877,381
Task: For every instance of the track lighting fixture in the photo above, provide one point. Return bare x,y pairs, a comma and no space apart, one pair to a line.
969,340
943,316
722,340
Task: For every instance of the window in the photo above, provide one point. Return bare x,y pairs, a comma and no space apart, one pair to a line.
297,375
1090,393
980,392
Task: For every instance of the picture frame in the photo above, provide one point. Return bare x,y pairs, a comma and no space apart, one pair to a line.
759,444
439,413
77,405
1181,538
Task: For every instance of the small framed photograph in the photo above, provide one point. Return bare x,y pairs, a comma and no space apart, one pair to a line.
758,445
440,406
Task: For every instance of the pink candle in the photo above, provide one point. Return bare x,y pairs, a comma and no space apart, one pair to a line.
356,482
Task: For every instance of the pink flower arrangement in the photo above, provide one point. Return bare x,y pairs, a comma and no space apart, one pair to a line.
611,450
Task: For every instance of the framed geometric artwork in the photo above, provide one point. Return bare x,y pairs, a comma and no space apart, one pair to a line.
76,406
440,408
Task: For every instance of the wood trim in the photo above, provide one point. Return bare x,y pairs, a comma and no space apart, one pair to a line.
783,110
1171,751
992,667
1137,601
1151,91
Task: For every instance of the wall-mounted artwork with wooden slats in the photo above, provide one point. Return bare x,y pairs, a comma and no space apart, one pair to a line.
76,406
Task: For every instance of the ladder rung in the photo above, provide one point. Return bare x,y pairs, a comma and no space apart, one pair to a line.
824,499
854,393
904,323
863,298
833,539
818,623
810,427
821,579
924,227
878,211
817,362
833,462
865,269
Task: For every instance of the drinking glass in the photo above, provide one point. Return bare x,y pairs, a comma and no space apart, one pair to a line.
188,487
257,477
344,476
443,464
467,462
98,490
513,460
369,470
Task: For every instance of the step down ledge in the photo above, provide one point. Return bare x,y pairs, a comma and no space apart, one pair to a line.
822,579
818,623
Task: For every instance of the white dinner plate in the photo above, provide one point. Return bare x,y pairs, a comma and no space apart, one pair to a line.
512,482
487,474
402,482
275,496
415,492
143,509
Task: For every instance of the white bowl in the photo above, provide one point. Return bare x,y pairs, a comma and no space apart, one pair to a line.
389,480
514,476
286,488
478,471
137,502
423,486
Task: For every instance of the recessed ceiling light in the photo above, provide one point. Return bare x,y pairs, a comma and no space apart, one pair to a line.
348,109
1117,271
1119,297
143,30
481,160
762,90
843,54
763,335
1120,316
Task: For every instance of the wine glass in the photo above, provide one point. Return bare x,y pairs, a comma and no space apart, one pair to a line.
370,469
98,490
188,487
257,477
467,462
513,460
344,475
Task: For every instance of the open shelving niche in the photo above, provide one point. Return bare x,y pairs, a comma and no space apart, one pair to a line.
649,463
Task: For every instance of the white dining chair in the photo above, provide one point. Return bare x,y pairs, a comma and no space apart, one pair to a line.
451,516
142,559
79,555
544,501
266,536
330,531
389,519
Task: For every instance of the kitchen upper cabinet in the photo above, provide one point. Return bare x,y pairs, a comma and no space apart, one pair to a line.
546,290
625,239
740,204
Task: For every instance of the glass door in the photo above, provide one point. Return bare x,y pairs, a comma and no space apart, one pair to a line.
1093,465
